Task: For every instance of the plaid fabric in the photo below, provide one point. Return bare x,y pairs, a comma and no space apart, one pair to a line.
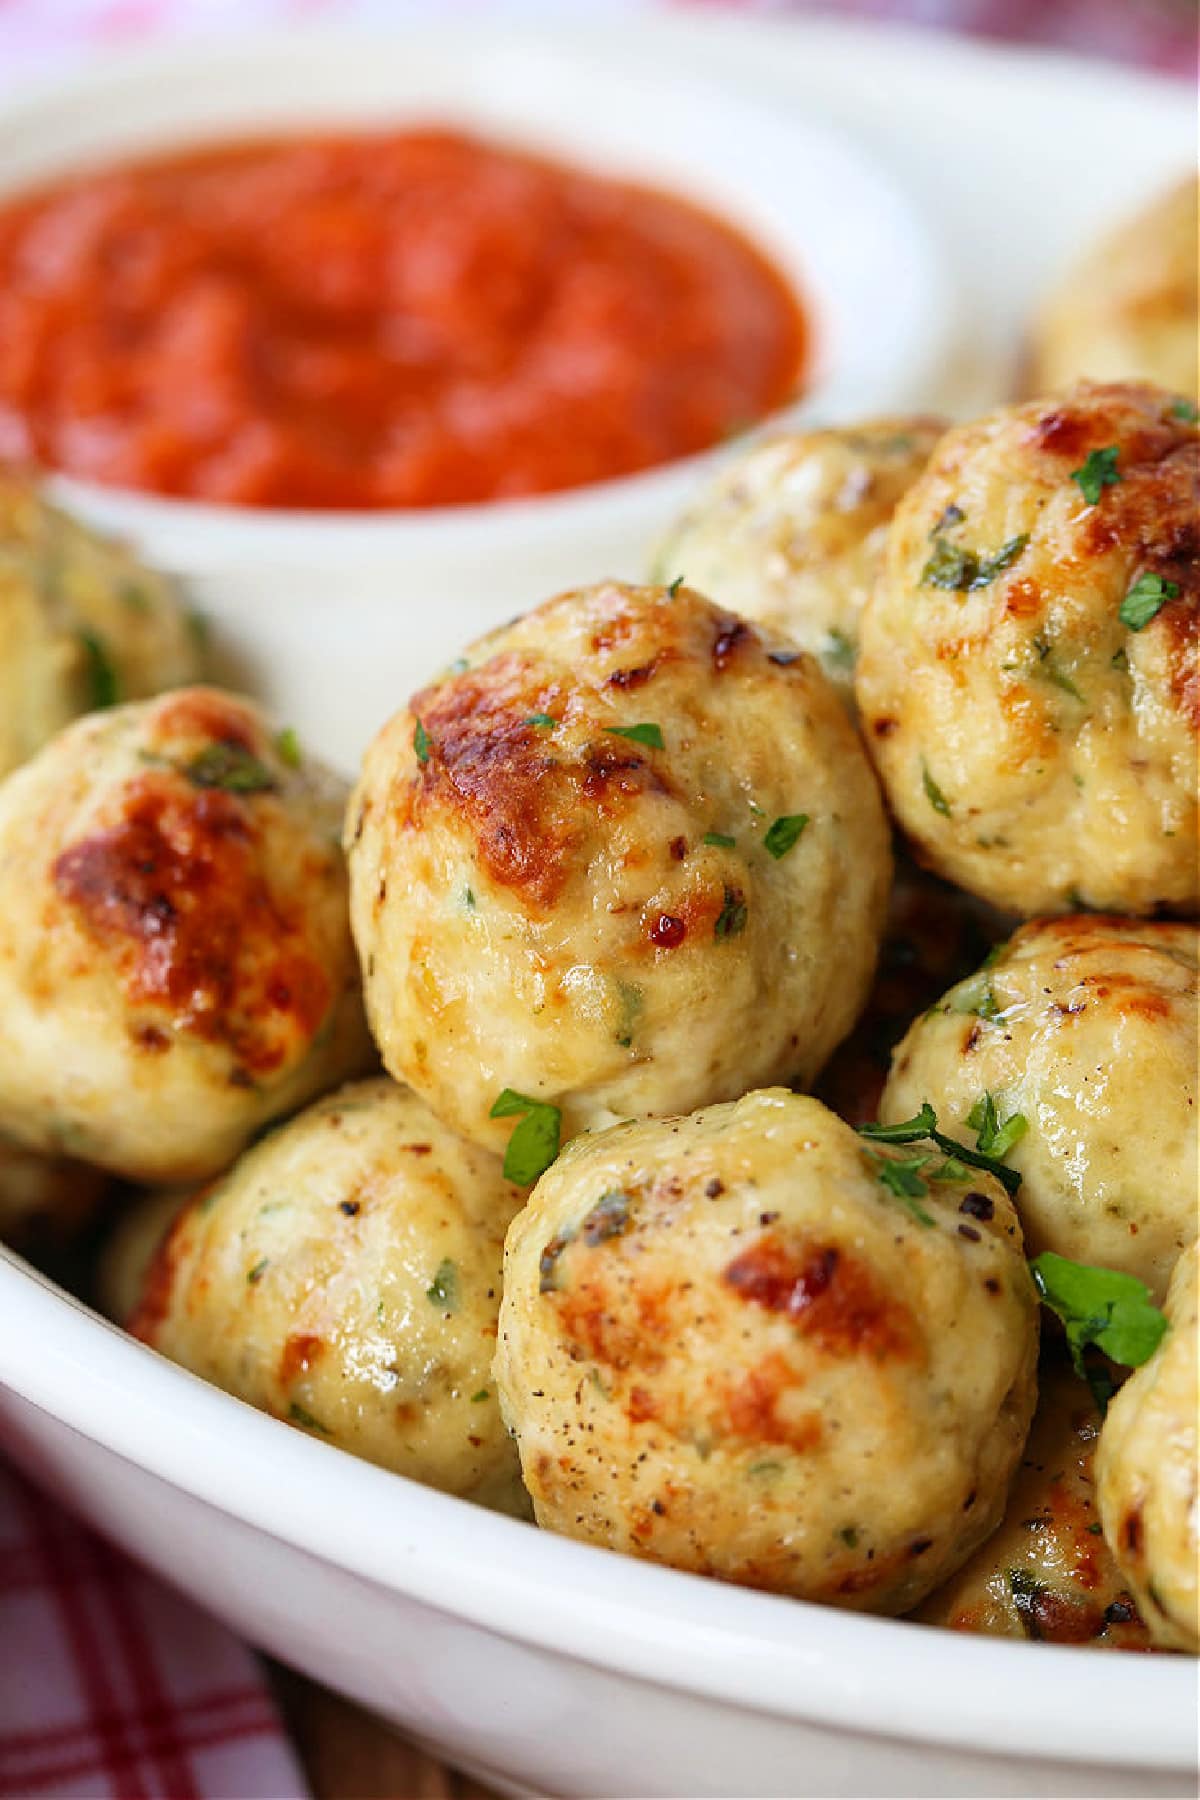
113,1687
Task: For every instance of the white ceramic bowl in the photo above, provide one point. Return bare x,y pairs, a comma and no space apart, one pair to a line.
551,1666
295,594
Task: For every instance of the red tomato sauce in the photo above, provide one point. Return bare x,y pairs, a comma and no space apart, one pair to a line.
413,319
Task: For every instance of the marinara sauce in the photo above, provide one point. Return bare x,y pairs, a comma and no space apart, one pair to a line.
414,319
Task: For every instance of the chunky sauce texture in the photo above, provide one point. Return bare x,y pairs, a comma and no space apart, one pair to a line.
411,319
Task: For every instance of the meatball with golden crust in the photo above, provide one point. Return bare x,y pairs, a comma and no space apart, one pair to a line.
83,624
792,532
1028,680
45,1201
345,1275
751,1344
1127,310
176,967
1148,1472
1047,1573
596,864
1085,1029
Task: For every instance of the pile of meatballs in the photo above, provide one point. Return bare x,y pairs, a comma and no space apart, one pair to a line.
693,1205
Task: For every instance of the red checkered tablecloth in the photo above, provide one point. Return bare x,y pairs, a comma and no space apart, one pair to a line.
112,1686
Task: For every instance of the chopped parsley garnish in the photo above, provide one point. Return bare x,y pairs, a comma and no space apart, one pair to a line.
300,1415
977,996
924,1125
632,1001
962,571
934,794
673,587
533,1145
135,598
104,686
230,767
421,742
901,1176
648,734
784,834
849,1537
1103,1307
731,920
1097,472
543,721
255,1275
993,1137
443,1289
719,840
1187,410
839,650
1059,679
199,629
1145,600
483,1394
287,748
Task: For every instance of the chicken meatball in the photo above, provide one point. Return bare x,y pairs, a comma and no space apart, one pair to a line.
752,1344
1127,309
345,1275
792,532
176,967
1081,1036
1028,679
82,624
45,1201
596,863
1047,1573
1146,1469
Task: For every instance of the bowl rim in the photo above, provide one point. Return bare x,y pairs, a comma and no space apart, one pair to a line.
924,330
760,1652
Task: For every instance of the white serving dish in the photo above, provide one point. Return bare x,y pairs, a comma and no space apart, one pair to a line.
547,1665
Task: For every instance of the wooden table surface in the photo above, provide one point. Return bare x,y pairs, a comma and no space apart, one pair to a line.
348,1755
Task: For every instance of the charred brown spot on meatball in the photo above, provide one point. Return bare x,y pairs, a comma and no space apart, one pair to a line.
761,1407
733,634
828,1294
627,679
199,713
158,1284
299,1353
177,894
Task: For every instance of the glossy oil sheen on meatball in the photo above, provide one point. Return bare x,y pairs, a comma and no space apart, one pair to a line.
1028,677
628,857
1087,1028
345,1276
751,1344
176,967
792,532
83,624
1146,1468
1047,1574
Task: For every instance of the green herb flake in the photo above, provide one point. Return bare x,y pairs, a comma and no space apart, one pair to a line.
104,686
287,748
1103,1307
907,1131
300,1415
443,1289
1145,600
1184,409
849,1537
199,630
420,742
543,721
648,734
784,834
481,1396
958,570
731,920
534,1143
632,1000
924,1125
901,1176
255,1275
673,587
718,840
976,996
934,794
469,898
839,651
135,598
1097,472
230,767
768,1466
993,1136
